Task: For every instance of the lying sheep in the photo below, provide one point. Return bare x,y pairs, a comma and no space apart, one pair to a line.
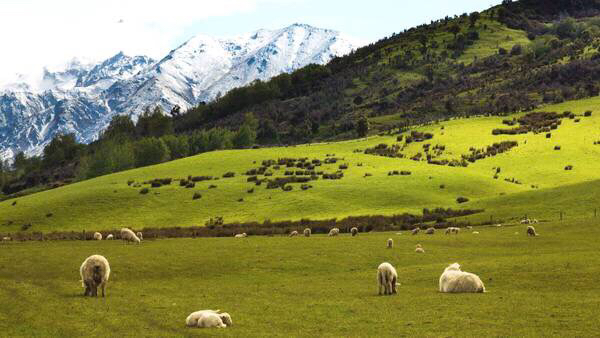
140,235
525,221
390,243
475,232
453,280
354,231
294,233
531,231
334,232
6,239
94,272
387,278
430,231
419,249
109,237
452,230
97,236
307,232
242,235
128,236
415,231
208,318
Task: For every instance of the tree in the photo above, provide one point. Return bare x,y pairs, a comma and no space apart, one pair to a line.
150,151
20,162
62,149
454,29
362,127
267,132
246,135
473,17
154,123
121,127
112,156
178,145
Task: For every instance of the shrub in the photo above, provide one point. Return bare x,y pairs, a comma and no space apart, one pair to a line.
150,151
49,214
144,191
252,179
442,186
228,174
287,188
250,191
201,178
577,120
569,167
212,186
587,113
405,173
197,196
25,227
130,182
461,200
548,135
556,147
183,182
156,184
190,185
343,166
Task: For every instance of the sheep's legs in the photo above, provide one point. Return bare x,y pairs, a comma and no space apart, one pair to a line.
102,290
394,285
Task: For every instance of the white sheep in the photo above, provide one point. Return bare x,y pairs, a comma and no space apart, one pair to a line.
531,231
390,243
354,231
208,318
294,233
430,231
307,232
242,235
525,221
475,232
453,280
387,279
109,237
452,230
6,239
334,232
97,236
419,249
415,231
128,236
94,272
140,235
534,221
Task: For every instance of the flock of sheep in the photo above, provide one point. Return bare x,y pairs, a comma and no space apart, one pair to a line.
95,271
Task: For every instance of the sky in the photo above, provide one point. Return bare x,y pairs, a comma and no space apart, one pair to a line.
40,33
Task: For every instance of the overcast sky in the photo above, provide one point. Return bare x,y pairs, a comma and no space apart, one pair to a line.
48,33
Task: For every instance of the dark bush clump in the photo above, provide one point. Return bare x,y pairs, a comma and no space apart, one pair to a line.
587,113
287,188
183,182
156,184
25,227
405,173
201,178
569,167
190,185
556,147
252,179
548,135
144,191
461,200
228,174
130,182
197,196
343,166
305,187
442,186
250,191
212,186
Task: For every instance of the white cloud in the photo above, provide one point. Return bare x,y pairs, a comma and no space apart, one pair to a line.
39,33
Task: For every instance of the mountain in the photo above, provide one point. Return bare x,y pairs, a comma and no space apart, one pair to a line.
81,99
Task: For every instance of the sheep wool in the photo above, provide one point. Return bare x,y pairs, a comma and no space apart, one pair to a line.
307,232
354,231
531,231
415,231
94,272
390,243
430,231
387,279
209,318
109,236
140,235
128,236
453,280
293,233
334,232
97,236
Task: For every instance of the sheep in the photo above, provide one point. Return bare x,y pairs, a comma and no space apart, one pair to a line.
6,239
140,235
390,243
469,227
242,235
94,272
415,231
307,232
97,236
294,233
334,232
419,249
430,231
452,230
453,280
531,231
354,231
128,236
475,232
525,221
208,318
387,278
109,237
534,221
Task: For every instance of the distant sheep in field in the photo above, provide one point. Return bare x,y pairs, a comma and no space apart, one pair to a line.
387,279
334,232
430,231
415,231
6,239
208,318
307,232
242,235
109,237
354,231
97,236
128,236
419,249
452,230
475,232
525,221
453,280
140,235
531,231
94,272
534,221
294,233
390,243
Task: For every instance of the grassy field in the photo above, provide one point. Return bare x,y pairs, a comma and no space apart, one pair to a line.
318,286
546,188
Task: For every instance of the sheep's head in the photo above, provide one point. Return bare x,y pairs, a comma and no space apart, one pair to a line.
226,318
455,267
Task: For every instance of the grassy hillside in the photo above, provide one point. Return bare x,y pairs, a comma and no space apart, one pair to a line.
542,186
318,286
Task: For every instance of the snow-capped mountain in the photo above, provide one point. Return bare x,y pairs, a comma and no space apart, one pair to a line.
82,98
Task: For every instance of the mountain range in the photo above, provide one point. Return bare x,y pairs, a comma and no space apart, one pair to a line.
82,98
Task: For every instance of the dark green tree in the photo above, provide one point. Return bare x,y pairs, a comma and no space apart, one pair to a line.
150,151
362,126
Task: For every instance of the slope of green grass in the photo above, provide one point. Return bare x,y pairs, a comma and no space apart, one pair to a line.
318,286
108,202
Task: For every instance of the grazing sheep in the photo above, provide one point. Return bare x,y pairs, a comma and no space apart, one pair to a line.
294,233
419,249
452,230
6,239
531,231
469,227
387,278
128,236
354,231
525,221
415,231
140,235
453,280
97,236
242,235
390,243
307,232
109,237
475,232
430,231
94,272
534,221
208,318
334,232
